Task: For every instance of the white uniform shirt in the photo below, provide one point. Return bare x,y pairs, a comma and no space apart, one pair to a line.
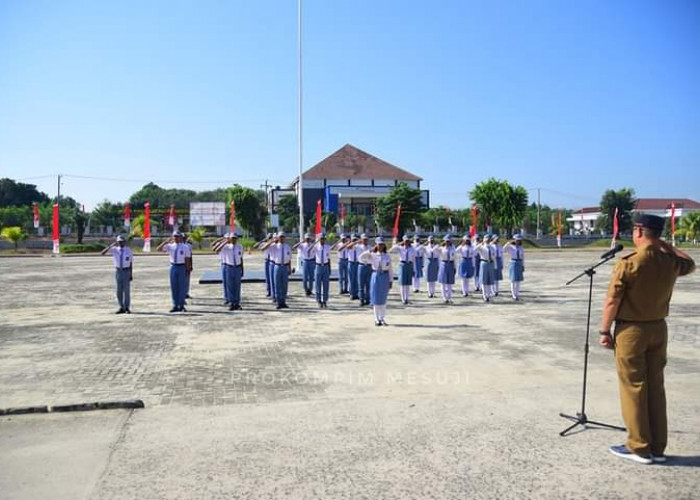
499,250
281,253
379,261
447,254
307,250
405,254
353,253
485,252
122,257
465,252
231,255
515,252
419,249
343,254
266,254
322,253
359,249
432,251
178,252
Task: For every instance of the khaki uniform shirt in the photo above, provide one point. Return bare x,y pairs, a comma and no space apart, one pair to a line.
644,281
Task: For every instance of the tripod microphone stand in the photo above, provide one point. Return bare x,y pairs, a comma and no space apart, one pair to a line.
581,418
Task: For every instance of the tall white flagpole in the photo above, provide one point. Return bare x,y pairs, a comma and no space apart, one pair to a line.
300,185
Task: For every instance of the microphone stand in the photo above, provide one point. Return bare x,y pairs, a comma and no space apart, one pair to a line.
581,418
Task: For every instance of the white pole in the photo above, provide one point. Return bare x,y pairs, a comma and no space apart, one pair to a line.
300,185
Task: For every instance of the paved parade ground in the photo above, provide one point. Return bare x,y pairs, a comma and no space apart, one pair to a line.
449,401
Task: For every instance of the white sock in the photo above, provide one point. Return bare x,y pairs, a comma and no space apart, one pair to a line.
495,286
465,286
377,314
443,291
515,289
431,287
382,312
406,292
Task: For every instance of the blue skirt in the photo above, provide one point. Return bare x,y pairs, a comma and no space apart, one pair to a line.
487,273
477,265
446,276
418,271
433,267
379,288
466,268
499,269
515,270
405,273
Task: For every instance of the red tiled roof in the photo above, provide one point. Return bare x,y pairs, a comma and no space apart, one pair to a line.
350,162
586,210
665,203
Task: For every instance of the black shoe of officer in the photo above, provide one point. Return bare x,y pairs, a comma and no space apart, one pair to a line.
120,311
175,309
231,307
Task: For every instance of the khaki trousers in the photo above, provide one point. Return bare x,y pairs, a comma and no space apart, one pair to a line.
640,357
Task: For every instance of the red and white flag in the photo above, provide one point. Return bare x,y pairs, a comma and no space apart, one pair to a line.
395,231
342,214
616,227
172,218
56,233
147,227
232,218
475,222
673,223
35,207
558,230
319,214
127,216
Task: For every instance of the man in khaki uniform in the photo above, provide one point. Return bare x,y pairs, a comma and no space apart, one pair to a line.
638,297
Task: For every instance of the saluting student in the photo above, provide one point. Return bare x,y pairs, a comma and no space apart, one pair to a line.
516,268
420,258
281,255
381,280
189,268
432,252
353,266
497,264
466,263
364,271
266,247
322,277
180,255
266,263
123,260
306,262
477,264
407,258
486,273
231,255
343,264
446,274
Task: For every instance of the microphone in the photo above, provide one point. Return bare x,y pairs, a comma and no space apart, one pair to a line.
611,253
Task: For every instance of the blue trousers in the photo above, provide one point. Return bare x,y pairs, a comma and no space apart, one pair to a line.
322,278
307,273
281,283
123,288
352,275
177,285
232,279
343,275
223,283
364,277
271,270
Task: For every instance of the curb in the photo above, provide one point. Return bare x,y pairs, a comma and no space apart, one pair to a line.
103,405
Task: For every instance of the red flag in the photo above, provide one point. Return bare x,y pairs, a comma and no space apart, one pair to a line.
475,222
56,228
147,227
395,231
127,216
36,215
616,225
232,217
172,218
342,214
673,223
558,229
319,214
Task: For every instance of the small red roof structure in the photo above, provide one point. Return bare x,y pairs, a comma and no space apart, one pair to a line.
665,204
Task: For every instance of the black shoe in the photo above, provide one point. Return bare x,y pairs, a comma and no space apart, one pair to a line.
183,310
127,310
238,307
278,306
284,305
175,309
496,294
188,296
384,323
120,311
231,307
377,323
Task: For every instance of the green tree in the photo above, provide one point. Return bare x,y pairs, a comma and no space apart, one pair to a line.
689,226
79,221
328,221
410,200
16,216
197,235
107,213
288,211
14,193
249,211
624,201
500,203
15,234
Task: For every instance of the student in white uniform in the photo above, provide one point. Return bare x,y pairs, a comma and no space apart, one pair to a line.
364,271
353,265
432,254
123,260
343,264
446,274
497,264
407,261
516,268
265,246
322,277
180,256
281,255
306,262
486,274
466,263
382,278
231,255
419,249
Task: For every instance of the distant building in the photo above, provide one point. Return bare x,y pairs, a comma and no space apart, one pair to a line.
349,177
584,219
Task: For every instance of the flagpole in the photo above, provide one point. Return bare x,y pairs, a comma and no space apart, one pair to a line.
300,185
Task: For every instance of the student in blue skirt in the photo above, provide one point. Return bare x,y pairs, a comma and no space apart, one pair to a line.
498,264
516,268
407,259
466,263
432,253
419,249
486,272
446,274
382,278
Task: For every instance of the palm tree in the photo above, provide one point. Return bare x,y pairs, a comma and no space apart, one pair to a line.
689,226
14,234
197,235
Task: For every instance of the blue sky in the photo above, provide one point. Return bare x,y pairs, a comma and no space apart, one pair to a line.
573,97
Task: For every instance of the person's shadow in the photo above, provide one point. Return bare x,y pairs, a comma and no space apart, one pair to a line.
680,461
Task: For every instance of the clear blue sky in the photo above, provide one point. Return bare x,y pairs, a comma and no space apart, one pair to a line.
575,97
